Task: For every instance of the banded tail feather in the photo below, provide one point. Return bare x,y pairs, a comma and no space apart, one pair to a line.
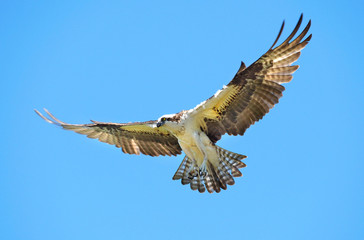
217,177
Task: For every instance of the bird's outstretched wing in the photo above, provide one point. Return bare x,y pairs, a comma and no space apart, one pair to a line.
253,91
132,138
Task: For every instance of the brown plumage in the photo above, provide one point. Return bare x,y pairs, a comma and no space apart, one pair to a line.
254,90
132,138
246,99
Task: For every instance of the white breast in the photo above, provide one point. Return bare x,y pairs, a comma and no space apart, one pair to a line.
196,143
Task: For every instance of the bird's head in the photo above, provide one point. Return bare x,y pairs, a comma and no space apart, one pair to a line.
165,119
172,121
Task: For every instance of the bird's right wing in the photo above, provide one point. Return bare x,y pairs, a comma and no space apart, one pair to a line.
132,138
253,91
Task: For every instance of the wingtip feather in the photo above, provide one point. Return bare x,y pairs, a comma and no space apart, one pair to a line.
279,35
43,117
54,118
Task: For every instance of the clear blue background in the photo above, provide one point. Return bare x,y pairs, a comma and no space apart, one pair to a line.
122,61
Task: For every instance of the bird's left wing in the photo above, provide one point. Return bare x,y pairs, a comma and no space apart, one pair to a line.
253,91
132,138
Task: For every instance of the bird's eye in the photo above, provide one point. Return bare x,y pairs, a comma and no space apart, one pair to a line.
164,119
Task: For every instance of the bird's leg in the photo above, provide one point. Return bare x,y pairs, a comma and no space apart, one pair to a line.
203,168
192,173
202,147
201,141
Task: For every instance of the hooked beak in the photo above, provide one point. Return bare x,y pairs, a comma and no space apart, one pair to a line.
159,124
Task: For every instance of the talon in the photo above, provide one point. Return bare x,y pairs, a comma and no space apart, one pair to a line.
192,174
202,173
203,169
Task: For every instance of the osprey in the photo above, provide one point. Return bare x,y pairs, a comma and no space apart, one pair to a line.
246,99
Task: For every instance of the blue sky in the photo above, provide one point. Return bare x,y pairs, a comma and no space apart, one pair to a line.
122,61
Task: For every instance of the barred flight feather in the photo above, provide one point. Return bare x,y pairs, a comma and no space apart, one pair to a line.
254,90
133,138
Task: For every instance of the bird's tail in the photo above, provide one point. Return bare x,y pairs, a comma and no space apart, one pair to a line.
216,177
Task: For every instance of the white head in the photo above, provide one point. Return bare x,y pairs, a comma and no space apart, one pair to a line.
172,121
167,118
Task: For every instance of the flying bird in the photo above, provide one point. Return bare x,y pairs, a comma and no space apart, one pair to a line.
252,92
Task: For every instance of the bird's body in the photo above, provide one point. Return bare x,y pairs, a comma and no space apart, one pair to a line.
246,99
193,141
